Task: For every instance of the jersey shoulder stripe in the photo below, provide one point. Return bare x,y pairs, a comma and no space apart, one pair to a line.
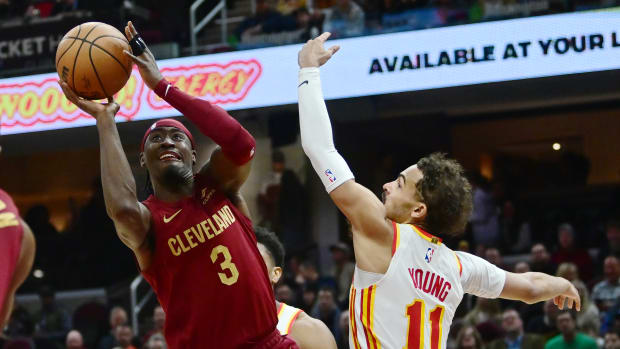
286,317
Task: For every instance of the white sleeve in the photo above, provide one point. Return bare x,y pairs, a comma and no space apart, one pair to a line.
480,277
316,132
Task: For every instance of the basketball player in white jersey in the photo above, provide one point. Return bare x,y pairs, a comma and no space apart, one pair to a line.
308,332
407,284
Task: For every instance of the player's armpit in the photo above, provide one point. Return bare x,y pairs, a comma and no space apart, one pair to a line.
227,175
24,265
310,333
133,224
364,210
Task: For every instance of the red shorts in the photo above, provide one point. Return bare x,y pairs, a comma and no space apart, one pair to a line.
274,341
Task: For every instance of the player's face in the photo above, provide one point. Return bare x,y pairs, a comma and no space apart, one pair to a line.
273,272
399,197
167,146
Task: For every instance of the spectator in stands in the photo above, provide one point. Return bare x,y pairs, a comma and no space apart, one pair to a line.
307,275
494,257
514,336
342,270
588,318
484,218
540,260
285,294
568,252
485,310
159,320
545,325
52,321
279,30
327,310
606,292
469,338
343,340
568,270
612,340
74,340
345,18
612,247
118,317
516,234
522,267
157,341
124,337
569,337
309,298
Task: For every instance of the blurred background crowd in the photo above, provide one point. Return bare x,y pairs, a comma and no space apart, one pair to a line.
531,212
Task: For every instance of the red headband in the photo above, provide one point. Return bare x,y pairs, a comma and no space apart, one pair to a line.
167,123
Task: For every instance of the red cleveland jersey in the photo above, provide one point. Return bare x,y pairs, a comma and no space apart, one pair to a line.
207,272
11,233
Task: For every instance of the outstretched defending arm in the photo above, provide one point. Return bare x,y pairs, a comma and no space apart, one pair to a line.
361,207
484,279
131,218
229,165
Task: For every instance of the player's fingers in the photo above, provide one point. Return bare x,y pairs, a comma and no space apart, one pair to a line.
323,37
569,303
128,33
134,58
578,303
71,96
562,299
332,50
132,29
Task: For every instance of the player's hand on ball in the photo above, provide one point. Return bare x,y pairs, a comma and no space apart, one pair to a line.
95,109
146,61
313,54
571,296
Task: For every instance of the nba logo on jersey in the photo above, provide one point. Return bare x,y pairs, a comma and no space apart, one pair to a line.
330,175
429,255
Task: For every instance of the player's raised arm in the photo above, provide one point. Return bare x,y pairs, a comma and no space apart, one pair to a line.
230,164
363,209
532,287
131,218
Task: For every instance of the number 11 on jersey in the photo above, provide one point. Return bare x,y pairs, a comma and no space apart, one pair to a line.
415,331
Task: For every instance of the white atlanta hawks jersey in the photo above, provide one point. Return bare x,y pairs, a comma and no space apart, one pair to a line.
411,306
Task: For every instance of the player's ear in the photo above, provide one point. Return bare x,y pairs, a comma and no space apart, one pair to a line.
142,161
193,157
418,212
276,274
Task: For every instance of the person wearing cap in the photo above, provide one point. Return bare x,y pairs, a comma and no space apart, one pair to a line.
342,270
192,237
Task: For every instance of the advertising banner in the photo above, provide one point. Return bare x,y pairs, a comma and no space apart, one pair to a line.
380,64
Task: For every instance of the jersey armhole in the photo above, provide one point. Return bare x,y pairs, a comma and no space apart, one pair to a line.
396,237
458,262
293,318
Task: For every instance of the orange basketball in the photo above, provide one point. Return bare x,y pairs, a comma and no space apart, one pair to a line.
90,59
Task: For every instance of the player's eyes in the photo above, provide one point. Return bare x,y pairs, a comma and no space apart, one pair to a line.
156,138
177,137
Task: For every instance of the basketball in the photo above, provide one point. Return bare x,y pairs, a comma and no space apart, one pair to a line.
91,61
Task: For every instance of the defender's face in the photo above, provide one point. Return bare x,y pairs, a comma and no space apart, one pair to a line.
273,272
399,195
167,146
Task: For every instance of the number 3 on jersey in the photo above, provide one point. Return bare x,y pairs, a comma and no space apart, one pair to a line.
415,331
227,264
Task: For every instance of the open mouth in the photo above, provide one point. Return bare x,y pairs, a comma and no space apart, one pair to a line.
170,156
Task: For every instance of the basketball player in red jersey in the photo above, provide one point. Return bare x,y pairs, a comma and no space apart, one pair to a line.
192,238
308,332
17,248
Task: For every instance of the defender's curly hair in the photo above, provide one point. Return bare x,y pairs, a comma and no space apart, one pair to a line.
447,194
270,240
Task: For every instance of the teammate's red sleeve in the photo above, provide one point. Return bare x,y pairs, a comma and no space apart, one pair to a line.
214,122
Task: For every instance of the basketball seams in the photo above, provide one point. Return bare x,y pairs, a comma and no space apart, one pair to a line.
106,51
90,55
77,54
68,48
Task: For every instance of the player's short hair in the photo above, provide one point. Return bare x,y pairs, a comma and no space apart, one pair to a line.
270,240
447,194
